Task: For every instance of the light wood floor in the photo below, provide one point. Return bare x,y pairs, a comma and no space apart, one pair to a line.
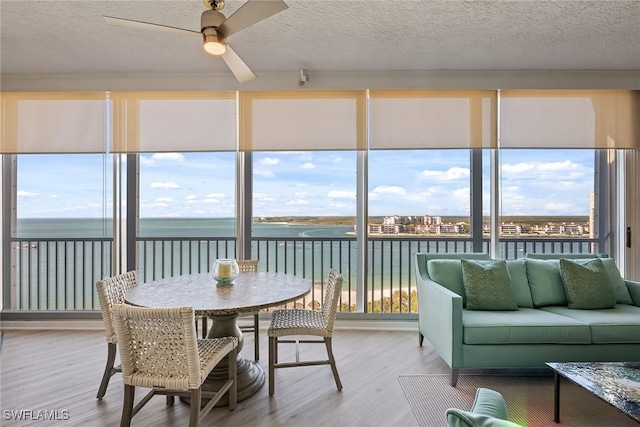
49,370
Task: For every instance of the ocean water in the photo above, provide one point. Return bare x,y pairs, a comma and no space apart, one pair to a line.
169,227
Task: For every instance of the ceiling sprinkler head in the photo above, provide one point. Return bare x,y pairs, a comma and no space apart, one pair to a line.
303,78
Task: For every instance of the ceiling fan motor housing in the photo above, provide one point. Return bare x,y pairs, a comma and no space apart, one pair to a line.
211,19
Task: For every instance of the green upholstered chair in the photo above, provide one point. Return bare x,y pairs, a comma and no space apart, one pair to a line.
489,410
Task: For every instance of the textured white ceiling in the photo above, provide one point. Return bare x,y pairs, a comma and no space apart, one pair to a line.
70,37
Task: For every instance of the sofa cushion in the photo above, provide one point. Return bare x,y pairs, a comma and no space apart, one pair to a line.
519,283
617,282
448,273
609,326
545,282
525,326
487,285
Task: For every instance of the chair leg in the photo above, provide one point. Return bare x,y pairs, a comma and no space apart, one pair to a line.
256,336
273,345
108,370
170,400
196,397
332,361
204,327
420,338
233,376
127,406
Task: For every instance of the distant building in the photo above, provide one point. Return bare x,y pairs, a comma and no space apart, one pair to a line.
511,228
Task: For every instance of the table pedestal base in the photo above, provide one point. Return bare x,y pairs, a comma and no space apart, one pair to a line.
250,375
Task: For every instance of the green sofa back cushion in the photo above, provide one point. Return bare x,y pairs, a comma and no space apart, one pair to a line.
587,285
520,283
487,285
545,282
448,273
617,282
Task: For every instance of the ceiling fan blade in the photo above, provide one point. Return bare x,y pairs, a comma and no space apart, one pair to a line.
251,12
140,25
237,66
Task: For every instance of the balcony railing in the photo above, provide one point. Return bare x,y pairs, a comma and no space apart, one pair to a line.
56,274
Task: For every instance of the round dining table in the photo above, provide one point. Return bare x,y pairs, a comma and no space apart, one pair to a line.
250,292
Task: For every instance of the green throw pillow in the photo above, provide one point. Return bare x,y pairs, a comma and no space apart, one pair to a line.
488,286
587,285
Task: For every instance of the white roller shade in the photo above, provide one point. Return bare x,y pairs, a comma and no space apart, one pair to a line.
290,121
174,121
53,123
570,119
432,119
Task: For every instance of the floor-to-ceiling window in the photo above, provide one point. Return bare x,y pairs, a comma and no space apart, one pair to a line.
424,159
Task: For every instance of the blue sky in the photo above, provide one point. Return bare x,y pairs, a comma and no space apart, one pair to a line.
534,182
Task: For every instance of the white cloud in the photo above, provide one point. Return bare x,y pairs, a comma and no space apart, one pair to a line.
26,194
191,197
164,199
308,166
269,161
337,194
553,171
216,196
301,194
161,157
211,201
175,157
393,190
297,202
165,185
452,174
264,172
557,207
263,197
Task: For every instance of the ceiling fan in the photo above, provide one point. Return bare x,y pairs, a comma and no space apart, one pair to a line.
215,28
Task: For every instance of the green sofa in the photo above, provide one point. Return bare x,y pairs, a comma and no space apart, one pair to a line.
542,329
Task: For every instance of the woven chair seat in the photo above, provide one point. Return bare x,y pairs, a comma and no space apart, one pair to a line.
298,321
210,353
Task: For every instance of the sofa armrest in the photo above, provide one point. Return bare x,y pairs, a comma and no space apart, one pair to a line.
440,319
458,418
489,410
634,290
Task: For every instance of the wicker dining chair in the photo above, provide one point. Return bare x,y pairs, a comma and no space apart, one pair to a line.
247,266
111,291
160,350
293,322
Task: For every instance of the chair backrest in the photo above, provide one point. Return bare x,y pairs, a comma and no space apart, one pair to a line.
158,345
331,298
111,291
248,265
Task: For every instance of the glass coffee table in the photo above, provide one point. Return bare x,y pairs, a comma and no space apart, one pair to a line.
617,383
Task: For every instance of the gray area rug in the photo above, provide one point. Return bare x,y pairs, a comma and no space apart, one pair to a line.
529,400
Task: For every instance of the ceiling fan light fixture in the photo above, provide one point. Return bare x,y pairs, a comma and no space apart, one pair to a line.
214,42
